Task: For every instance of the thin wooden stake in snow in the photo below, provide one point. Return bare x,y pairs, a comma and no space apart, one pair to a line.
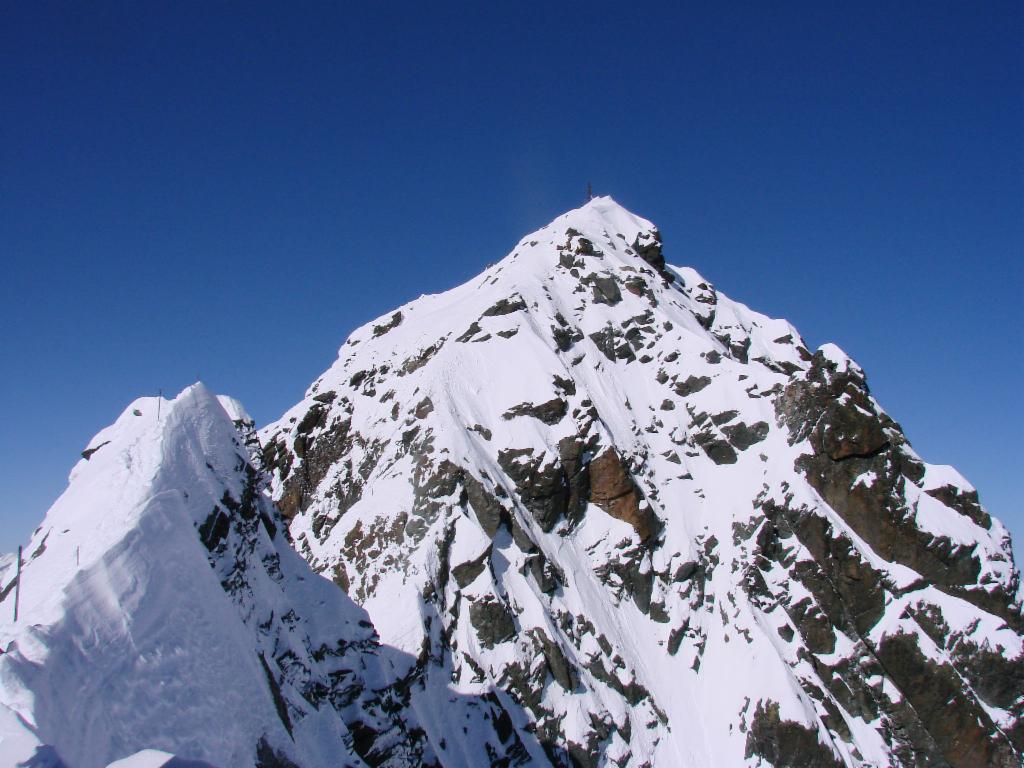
17,586
159,397
590,192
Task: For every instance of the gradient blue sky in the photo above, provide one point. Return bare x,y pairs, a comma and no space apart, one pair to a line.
227,190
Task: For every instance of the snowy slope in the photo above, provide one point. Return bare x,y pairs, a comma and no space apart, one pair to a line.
162,609
627,521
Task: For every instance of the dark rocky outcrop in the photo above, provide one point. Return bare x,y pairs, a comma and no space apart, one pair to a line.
847,591
648,247
469,333
88,452
550,412
319,446
851,439
490,512
540,482
962,730
424,408
393,322
692,385
505,307
562,670
214,529
715,446
963,501
547,575
742,436
574,454
614,344
639,287
492,620
466,573
421,358
605,288
786,743
326,397
565,335
627,574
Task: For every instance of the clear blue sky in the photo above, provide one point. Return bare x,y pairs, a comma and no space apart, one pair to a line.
227,190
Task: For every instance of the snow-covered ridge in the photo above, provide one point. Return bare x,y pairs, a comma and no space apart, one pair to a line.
162,609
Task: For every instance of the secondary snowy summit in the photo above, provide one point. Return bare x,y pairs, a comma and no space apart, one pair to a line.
162,608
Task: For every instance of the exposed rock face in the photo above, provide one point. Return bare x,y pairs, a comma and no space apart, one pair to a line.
550,412
589,495
784,743
540,482
648,247
851,438
492,621
962,730
613,490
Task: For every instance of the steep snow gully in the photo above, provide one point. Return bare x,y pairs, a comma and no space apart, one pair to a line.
583,510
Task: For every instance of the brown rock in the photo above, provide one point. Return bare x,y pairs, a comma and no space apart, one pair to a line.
613,490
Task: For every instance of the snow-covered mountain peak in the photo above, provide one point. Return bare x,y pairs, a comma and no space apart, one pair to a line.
601,236
601,219
583,510
603,229
590,481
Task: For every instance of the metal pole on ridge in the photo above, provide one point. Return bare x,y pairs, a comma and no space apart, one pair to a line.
17,586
